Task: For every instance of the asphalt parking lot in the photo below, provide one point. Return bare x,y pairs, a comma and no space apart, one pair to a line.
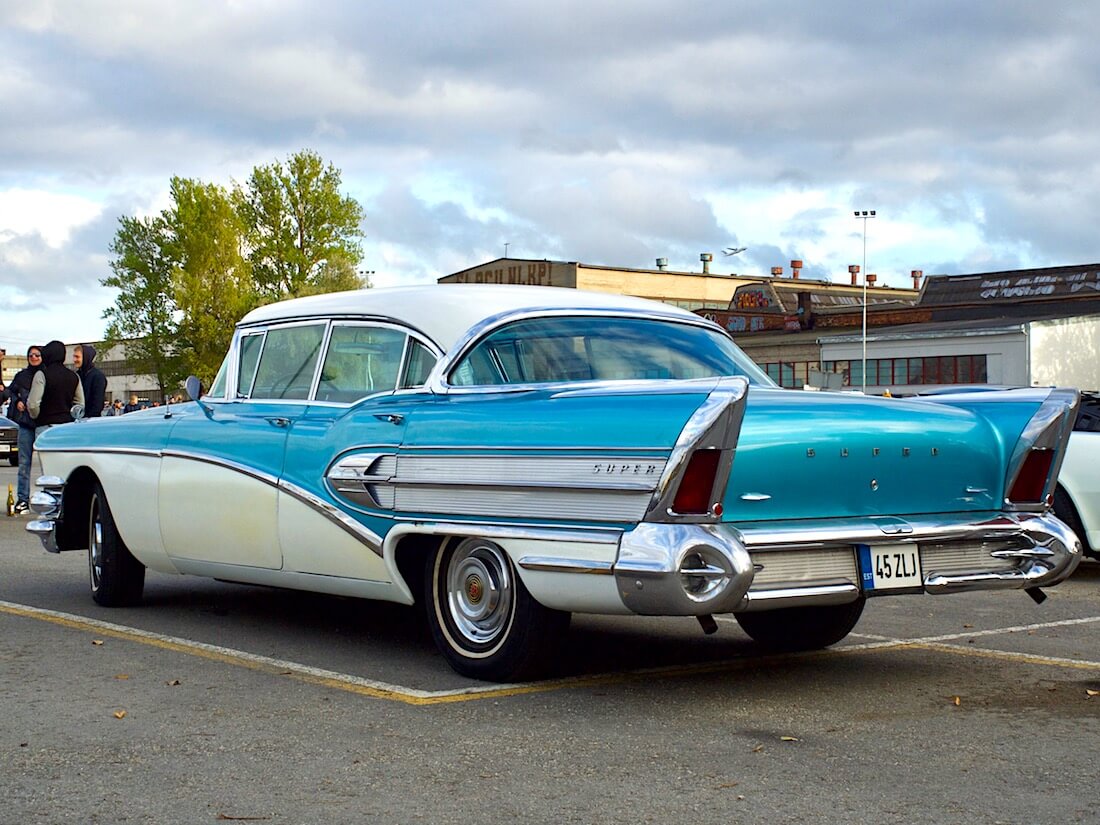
218,702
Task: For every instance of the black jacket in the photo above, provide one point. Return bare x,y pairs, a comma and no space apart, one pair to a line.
61,384
18,390
94,383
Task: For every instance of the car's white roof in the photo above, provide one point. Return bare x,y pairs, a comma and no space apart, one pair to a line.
445,312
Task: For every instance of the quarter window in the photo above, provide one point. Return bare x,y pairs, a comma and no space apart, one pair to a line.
250,356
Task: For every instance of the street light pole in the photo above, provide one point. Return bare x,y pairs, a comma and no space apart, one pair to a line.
864,215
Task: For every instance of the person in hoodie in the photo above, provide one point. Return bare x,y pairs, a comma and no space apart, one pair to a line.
19,391
54,389
92,380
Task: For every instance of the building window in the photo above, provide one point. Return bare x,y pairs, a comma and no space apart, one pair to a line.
941,369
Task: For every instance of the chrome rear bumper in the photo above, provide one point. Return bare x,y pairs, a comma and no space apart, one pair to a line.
697,569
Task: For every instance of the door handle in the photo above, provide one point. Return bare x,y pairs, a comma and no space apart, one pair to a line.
276,421
393,418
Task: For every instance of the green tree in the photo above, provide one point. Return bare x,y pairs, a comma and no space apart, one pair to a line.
303,235
143,315
211,277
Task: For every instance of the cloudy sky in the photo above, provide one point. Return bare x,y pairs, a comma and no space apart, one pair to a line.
597,131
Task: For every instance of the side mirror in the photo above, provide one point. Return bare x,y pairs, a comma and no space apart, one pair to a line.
193,387
77,412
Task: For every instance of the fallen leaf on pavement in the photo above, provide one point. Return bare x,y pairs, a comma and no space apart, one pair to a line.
97,642
957,700
172,682
120,714
789,739
122,675
1092,692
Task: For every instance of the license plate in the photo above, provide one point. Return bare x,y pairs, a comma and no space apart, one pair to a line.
889,567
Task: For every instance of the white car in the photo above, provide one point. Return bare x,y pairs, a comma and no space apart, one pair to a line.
1077,497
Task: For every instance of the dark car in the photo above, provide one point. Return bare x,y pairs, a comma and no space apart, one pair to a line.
9,440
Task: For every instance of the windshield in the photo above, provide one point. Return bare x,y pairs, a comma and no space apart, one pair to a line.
589,348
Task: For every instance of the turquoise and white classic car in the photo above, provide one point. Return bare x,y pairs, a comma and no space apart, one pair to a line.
506,456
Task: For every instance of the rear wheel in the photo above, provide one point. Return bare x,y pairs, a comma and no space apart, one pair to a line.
116,577
1064,509
802,628
481,616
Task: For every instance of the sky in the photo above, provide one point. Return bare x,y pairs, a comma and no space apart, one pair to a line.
599,131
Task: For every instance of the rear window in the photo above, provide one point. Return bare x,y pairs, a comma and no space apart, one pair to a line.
570,349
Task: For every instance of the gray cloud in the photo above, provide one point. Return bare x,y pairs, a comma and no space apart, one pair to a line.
588,131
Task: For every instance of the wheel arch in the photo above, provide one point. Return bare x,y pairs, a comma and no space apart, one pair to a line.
1063,497
76,502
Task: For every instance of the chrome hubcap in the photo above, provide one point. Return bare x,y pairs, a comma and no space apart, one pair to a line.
479,591
95,546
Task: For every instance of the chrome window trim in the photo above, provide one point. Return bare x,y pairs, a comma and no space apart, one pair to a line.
439,380
239,353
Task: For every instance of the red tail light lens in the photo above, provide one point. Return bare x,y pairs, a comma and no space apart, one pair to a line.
1032,478
694,493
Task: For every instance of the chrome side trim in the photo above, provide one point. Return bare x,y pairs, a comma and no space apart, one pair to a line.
555,565
105,450
511,531
547,485
368,537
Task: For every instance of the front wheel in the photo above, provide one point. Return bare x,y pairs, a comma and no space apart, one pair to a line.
117,578
802,628
13,459
481,616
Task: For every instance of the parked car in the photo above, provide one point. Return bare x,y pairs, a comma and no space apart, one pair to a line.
1077,496
9,440
506,456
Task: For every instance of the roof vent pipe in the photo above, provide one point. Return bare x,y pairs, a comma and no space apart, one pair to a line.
917,274
853,270
706,258
777,271
796,269
871,278
662,264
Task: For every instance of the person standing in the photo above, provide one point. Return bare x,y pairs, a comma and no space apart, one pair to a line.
133,406
19,392
92,380
54,389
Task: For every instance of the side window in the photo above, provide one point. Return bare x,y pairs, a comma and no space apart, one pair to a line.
418,366
218,389
287,362
361,360
250,356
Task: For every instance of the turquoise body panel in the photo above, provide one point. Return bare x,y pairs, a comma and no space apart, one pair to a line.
824,455
799,456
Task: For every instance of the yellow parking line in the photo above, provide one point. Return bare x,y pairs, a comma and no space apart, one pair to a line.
411,696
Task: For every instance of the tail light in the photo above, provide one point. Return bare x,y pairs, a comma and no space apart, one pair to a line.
1031,481
693,496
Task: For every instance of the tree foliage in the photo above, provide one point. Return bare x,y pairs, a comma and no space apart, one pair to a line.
186,276
143,316
212,281
303,234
